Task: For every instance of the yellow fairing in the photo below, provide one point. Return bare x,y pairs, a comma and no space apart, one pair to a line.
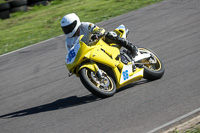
135,76
100,52
121,33
105,54
92,66
84,51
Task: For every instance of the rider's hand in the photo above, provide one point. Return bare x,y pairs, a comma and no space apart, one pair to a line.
111,35
94,36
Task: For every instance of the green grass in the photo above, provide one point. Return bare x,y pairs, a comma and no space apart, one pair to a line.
42,23
2,1
195,129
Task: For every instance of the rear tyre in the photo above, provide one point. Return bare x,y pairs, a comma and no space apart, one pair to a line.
17,3
30,2
43,3
4,14
103,88
4,6
154,68
19,9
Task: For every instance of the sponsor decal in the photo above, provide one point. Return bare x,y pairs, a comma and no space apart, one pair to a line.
125,75
71,55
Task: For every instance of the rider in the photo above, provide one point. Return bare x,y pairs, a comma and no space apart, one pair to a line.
73,28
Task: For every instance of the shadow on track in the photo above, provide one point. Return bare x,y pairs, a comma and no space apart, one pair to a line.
64,103
59,104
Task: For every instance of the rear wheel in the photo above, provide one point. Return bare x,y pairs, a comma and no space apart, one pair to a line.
4,14
153,67
17,3
102,87
4,6
43,3
18,9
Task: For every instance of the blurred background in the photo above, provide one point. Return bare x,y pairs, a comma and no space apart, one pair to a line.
26,22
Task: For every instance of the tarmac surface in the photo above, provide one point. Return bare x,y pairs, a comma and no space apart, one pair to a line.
37,96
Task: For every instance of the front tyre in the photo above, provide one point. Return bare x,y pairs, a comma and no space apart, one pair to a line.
153,67
102,87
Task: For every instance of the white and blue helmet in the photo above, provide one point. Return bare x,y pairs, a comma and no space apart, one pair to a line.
70,24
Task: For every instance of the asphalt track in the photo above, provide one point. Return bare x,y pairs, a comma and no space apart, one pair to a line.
37,96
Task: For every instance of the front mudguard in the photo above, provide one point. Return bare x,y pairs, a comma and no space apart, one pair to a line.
92,66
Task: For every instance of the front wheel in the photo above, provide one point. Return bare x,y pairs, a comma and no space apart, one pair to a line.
102,87
153,67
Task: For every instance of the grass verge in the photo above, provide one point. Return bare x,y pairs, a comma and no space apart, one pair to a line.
2,1
190,126
195,129
42,23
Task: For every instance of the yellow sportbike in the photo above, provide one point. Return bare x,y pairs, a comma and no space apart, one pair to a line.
103,68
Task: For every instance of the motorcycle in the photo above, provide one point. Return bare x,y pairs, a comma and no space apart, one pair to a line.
103,68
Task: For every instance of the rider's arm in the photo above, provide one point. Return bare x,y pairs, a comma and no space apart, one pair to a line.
92,28
69,43
97,30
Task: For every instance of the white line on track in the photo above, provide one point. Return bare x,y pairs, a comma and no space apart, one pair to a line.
175,120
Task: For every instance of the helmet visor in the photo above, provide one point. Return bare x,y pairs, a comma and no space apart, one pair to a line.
69,28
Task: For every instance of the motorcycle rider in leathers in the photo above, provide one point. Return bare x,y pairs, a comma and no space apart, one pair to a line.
73,28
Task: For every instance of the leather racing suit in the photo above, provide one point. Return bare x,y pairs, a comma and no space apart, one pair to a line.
87,29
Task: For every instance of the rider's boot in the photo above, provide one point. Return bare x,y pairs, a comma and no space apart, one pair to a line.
132,49
114,38
128,45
